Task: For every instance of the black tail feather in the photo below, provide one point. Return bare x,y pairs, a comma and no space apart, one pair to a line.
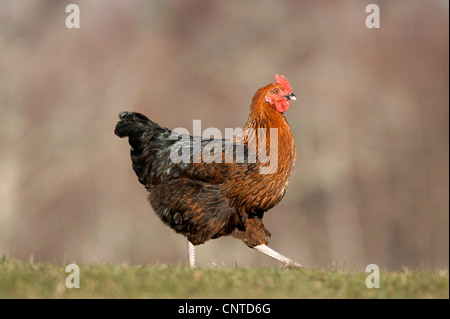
132,123
147,140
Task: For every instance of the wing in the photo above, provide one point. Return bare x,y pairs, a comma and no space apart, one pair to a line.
159,154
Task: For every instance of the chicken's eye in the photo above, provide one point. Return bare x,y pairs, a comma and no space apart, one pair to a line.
276,91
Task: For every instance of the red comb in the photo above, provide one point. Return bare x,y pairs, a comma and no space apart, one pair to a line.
281,80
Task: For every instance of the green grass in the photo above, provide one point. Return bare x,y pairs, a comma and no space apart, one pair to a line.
102,280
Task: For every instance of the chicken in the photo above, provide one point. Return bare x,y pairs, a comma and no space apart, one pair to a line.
206,198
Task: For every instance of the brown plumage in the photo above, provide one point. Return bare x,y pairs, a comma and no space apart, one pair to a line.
208,200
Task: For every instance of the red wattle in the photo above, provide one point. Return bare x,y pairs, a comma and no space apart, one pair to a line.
282,106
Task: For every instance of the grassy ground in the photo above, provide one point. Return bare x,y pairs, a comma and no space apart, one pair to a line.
47,280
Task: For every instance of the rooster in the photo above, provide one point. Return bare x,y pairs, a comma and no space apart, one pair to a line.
209,199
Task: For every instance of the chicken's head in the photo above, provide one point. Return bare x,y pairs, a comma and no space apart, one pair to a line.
280,94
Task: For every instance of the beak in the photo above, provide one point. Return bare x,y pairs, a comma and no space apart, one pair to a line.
291,97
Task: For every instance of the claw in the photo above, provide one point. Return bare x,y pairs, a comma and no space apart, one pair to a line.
292,265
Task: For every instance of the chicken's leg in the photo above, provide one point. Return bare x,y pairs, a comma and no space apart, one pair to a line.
191,253
287,263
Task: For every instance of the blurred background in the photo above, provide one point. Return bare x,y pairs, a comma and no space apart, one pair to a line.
371,183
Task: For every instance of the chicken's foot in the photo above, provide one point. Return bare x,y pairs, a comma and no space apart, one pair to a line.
287,263
191,254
